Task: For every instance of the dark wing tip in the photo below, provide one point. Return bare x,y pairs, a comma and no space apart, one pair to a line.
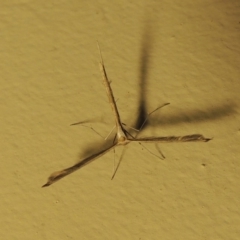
46,185
207,139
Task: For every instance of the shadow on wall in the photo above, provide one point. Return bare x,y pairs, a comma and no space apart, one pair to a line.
98,149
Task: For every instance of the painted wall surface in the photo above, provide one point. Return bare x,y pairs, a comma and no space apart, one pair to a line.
182,52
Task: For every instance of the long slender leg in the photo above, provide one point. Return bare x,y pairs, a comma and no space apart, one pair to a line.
165,104
162,156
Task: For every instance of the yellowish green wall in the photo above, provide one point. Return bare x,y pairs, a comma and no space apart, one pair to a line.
49,78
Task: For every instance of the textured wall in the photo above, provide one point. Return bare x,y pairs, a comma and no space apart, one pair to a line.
186,52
